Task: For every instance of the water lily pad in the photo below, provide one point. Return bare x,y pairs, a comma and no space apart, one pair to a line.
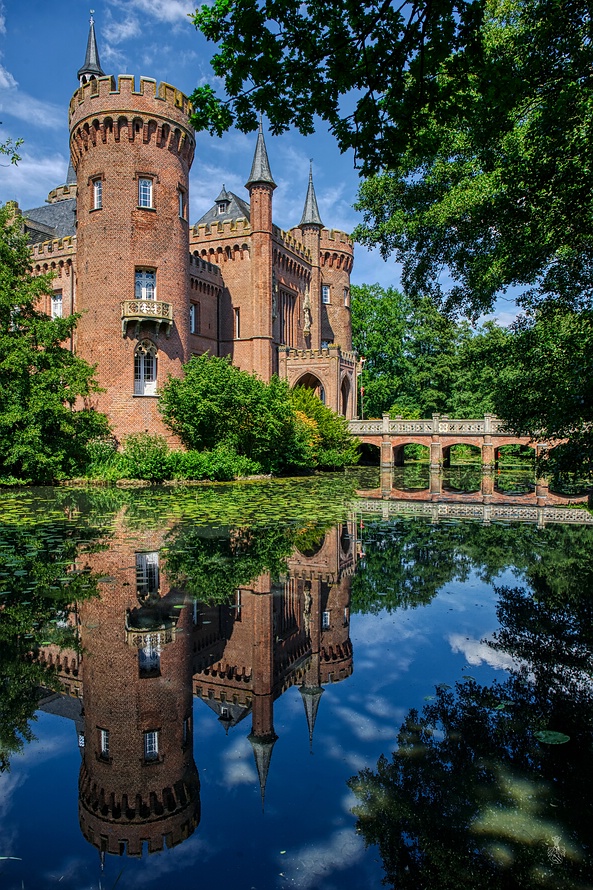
549,737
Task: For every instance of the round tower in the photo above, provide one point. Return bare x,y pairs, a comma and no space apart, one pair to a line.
132,151
138,783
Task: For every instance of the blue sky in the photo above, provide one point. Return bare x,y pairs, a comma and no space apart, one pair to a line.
42,45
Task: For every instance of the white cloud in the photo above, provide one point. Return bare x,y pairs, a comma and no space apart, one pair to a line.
237,765
171,11
312,865
118,31
29,181
479,652
16,103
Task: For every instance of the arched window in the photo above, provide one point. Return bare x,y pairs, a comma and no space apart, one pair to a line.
145,363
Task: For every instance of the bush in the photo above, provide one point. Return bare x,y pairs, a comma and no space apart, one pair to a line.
330,441
146,457
217,404
221,465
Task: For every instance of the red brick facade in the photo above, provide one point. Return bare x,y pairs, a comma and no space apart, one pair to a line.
152,291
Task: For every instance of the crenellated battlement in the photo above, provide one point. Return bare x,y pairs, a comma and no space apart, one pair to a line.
104,93
228,228
62,193
291,243
337,239
56,247
100,113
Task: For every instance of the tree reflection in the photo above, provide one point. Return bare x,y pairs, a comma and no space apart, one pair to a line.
472,798
40,577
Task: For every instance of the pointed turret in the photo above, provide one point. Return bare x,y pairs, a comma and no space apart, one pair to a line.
262,750
92,66
311,210
70,175
311,696
260,169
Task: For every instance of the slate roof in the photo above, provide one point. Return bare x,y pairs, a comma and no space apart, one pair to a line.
59,217
311,210
260,169
237,209
92,65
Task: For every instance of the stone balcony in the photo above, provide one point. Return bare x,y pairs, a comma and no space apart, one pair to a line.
140,311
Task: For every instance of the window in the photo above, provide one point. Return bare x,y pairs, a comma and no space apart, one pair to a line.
326,343
325,622
181,195
56,304
104,743
145,193
346,297
223,207
151,745
186,730
145,369
97,194
149,657
325,293
237,324
195,321
145,284
147,574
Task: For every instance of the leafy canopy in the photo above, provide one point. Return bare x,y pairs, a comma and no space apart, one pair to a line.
42,437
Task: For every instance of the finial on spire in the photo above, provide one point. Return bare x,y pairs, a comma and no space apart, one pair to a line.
91,68
260,169
311,210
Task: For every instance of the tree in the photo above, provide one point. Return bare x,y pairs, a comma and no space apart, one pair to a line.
471,120
215,403
42,437
332,444
298,61
544,383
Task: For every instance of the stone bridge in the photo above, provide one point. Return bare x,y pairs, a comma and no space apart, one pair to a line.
439,433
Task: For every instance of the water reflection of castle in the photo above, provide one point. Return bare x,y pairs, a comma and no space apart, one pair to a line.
148,648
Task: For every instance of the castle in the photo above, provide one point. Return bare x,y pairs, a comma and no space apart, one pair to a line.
153,290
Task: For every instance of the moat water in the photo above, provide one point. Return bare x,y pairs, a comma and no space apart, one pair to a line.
320,683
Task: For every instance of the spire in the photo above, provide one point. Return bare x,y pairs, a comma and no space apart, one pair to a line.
262,750
70,175
310,210
223,196
92,66
311,696
260,169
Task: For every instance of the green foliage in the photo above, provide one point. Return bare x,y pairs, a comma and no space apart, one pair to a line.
217,404
297,62
149,458
332,445
418,361
42,437
549,362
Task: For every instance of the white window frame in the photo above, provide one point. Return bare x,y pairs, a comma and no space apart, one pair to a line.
97,194
346,296
145,369
104,743
145,284
237,324
181,196
326,620
149,655
151,745
325,294
57,304
147,573
145,192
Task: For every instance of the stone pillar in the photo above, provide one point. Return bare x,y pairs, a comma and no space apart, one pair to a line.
487,486
487,453
386,481
436,480
386,447
436,453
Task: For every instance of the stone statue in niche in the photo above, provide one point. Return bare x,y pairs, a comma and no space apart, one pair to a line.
308,320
